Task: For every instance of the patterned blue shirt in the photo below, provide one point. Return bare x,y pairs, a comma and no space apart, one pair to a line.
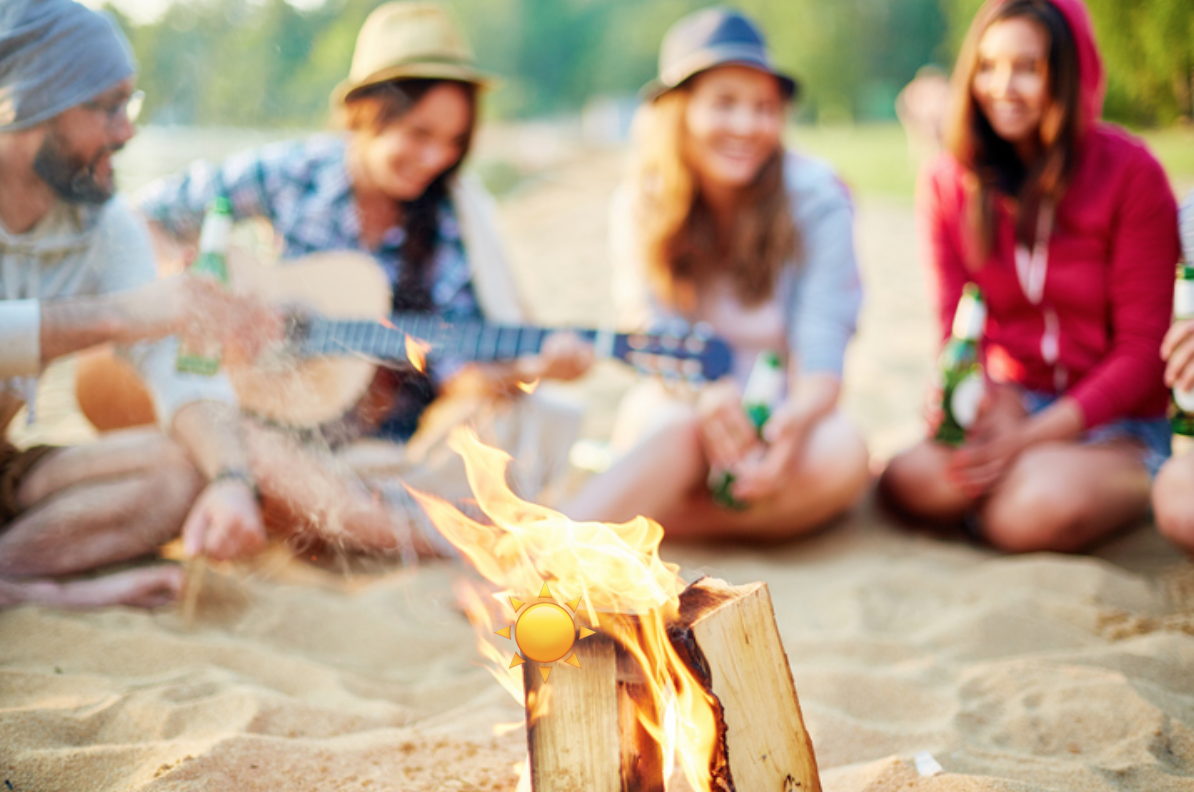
304,190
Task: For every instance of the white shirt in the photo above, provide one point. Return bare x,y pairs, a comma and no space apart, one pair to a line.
78,251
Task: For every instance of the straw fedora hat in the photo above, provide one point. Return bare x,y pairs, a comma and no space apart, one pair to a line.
410,40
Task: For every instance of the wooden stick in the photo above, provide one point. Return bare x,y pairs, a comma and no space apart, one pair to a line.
728,636
196,571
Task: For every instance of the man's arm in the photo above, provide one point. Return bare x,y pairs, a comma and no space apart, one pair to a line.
225,521
172,306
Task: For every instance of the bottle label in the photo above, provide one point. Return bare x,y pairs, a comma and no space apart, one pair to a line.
217,228
765,385
1184,400
969,318
965,399
1183,299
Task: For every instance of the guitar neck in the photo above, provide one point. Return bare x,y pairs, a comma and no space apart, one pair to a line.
695,358
472,340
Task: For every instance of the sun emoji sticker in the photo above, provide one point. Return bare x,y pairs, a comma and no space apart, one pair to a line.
545,631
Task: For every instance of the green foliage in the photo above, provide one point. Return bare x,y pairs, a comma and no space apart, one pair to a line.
264,63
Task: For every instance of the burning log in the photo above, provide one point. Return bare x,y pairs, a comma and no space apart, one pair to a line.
585,727
572,722
728,636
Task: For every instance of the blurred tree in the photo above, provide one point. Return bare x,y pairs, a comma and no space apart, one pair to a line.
263,62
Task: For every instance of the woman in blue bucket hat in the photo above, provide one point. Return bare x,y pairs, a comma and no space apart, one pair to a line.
719,223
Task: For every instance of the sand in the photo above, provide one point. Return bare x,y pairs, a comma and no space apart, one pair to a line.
1033,673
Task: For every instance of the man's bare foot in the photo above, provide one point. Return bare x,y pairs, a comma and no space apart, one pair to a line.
140,587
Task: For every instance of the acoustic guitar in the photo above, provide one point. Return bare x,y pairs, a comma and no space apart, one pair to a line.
326,363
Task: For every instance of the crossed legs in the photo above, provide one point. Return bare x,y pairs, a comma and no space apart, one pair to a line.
1059,497
89,506
664,478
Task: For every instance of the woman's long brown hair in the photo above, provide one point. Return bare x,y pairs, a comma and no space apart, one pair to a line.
995,168
369,111
680,240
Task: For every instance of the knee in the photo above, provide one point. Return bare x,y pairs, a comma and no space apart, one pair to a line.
1173,503
913,483
842,469
172,475
1032,515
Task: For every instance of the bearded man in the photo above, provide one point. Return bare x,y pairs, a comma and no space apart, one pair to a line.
77,269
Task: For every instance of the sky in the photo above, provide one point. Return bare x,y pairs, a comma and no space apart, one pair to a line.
141,11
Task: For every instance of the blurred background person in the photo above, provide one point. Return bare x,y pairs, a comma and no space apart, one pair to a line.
720,223
390,186
1069,228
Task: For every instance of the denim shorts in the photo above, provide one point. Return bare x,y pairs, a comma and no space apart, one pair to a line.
1153,434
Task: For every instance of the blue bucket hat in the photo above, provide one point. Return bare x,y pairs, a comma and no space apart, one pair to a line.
709,38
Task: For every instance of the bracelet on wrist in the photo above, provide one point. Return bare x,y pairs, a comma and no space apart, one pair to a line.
243,475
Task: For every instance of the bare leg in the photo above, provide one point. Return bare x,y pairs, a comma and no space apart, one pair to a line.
143,587
659,473
915,484
1063,497
664,479
830,478
1173,501
118,498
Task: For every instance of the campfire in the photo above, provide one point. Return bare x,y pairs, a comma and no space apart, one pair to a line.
666,687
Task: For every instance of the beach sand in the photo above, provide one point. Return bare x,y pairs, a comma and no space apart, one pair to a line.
1033,673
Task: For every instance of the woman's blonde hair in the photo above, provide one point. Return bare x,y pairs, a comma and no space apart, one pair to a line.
681,244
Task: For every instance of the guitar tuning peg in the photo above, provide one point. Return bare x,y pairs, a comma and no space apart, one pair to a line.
677,327
702,330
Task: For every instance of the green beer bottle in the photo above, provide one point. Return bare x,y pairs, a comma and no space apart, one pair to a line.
961,372
212,263
1181,406
764,387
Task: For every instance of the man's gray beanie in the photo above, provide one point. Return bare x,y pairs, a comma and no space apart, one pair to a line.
55,54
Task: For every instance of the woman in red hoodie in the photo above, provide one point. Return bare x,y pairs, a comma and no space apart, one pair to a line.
1069,228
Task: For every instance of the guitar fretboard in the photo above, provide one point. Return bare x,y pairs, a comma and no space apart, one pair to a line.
474,340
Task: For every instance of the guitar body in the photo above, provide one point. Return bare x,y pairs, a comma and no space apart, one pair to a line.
300,393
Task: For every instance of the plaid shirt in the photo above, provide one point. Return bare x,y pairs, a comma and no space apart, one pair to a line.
304,190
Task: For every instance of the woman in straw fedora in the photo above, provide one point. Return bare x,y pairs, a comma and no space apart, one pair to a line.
720,223
391,186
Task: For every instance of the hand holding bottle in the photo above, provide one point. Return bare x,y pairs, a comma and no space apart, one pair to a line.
1178,350
760,476
727,434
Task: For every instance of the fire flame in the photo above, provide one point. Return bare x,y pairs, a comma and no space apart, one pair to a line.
529,387
416,352
624,587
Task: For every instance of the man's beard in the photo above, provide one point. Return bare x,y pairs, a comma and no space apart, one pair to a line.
72,180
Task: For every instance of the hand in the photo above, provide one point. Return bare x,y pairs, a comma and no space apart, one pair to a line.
224,523
727,434
786,434
244,324
1000,411
977,467
1178,349
564,357
198,309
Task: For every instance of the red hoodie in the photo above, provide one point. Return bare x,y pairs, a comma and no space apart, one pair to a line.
1109,269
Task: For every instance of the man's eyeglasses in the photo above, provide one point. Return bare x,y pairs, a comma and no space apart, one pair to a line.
131,107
